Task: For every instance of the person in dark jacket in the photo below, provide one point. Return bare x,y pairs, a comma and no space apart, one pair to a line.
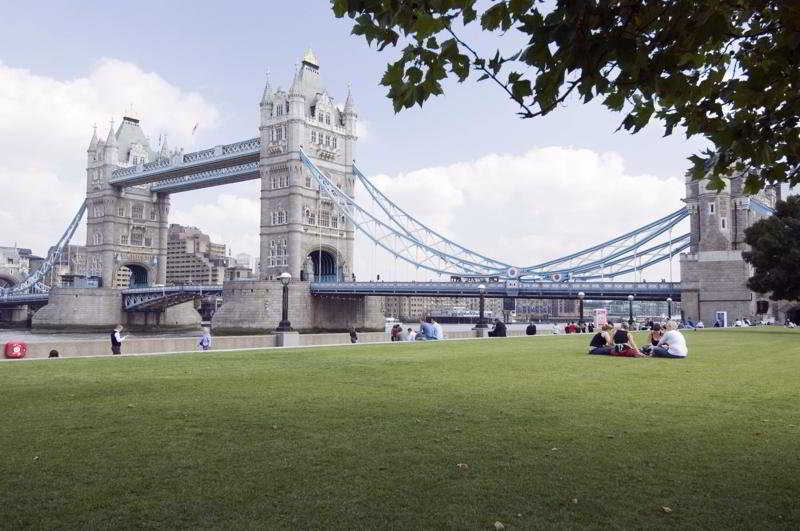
116,340
499,329
531,330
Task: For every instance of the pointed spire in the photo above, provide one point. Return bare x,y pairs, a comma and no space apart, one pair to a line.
349,104
267,90
112,139
310,59
93,142
296,88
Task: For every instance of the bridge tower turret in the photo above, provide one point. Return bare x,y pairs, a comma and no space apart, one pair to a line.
301,232
125,227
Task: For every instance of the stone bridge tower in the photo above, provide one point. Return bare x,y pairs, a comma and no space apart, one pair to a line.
300,231
126,227
713,273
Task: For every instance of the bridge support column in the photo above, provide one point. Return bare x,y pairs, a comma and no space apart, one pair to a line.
716,281
254,307
81,309
14,317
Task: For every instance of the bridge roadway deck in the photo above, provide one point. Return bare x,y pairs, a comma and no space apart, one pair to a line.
647,291
154,297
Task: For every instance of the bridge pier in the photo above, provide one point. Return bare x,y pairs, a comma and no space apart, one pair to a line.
254,307
100,309
14,317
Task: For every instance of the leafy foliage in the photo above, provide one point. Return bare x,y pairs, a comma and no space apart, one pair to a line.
725,69
775,252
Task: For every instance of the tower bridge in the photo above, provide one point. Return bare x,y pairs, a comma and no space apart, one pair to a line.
309,216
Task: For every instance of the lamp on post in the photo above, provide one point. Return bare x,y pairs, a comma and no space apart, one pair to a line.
285,325
481,307
630,310
669,308
581,295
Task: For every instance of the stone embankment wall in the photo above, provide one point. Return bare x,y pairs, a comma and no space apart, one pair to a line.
133,345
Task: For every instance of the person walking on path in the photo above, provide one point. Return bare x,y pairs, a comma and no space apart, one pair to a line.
353,336
205,339
116,340
531,330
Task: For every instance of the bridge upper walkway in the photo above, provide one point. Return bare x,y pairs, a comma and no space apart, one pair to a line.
200,169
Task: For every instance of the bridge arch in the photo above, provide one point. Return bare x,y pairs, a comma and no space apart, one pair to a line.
132,274
323,263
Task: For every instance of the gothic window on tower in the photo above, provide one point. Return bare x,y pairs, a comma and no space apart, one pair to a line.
121,212
711,208
137,212
148,241
123,239
280,110
98,238
333,142
324,218
313,137
722,223
137,237
328,118
334,222
287,107
327,140
152,214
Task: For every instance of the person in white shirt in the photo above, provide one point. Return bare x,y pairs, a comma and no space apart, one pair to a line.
437,329
411,335
672,344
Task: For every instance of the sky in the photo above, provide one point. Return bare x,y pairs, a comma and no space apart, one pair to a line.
521,191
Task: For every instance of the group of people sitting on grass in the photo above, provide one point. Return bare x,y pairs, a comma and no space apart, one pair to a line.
428,330
666,342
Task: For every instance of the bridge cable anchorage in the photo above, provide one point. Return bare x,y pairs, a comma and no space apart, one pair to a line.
34,282
613,252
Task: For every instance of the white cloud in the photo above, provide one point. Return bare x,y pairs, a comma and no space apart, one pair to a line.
45,127
524,209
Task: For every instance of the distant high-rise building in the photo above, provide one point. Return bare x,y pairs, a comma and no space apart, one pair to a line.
192,258
244,260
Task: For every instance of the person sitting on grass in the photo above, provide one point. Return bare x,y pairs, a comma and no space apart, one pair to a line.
653,337
426,330
672,344
601,342
624,344
499,329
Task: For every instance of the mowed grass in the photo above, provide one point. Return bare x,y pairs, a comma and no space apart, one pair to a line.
372,436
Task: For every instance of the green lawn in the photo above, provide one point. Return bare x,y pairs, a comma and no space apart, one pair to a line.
372,437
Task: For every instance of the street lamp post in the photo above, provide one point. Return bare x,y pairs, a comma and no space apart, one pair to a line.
630,310
581,295
481,307
669,308
285,325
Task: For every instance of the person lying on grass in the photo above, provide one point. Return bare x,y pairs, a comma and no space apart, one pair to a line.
621,344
